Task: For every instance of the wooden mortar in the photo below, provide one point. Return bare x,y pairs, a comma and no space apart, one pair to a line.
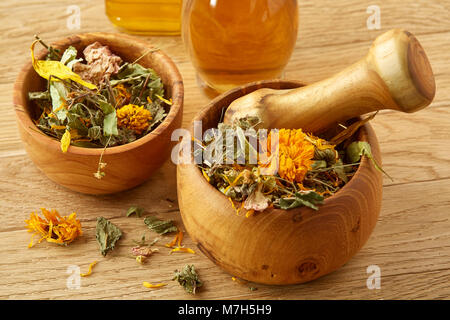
298,245
279,246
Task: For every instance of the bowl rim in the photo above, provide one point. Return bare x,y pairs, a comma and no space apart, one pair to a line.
29,126
365,130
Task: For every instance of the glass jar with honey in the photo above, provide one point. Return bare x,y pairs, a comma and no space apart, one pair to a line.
149,17
233,42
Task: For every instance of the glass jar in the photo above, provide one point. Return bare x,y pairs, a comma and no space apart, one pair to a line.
233,42
150,17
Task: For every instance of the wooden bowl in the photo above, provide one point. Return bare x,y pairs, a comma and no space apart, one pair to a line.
127,165
279,246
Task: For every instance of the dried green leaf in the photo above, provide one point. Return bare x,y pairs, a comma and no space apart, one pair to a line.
133,70
69,54
357,149
106,107
58,94
74,122
84,144
304,198
135,210
45,95
110,124
160,226
94,132
319,164
106,234
188,278
158,114
339,169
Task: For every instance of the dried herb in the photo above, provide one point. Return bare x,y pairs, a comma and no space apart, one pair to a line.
303,171
100,103
107,234
160,226
135,210
188,278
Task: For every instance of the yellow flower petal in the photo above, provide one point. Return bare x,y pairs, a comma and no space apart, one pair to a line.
187,250
55,68
65,141
149,285
169,102
89,270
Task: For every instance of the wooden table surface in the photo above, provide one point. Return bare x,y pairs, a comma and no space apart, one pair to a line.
410,244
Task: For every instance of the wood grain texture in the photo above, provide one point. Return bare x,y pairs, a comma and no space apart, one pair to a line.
410,243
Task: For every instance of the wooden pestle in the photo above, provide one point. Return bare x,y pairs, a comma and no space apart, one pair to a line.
395,74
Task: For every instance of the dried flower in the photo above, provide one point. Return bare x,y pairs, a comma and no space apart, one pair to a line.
296,154
123,95
143,251
134,118
54,228
141,259
101,63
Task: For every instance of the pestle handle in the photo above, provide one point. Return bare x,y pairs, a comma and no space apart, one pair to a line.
400,61
395,74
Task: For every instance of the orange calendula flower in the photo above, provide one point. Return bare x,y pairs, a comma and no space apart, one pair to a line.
176,241
54,228
134,118
296,153
123,95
